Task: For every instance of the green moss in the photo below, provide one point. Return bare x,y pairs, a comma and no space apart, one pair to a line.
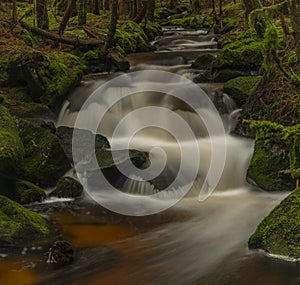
153,30
67,187
241,88
279,232
276,156
29,193
242,55
44,161
59,73
131,37
204,61
18,223
11,147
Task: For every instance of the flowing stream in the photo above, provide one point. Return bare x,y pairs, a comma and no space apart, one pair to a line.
191,243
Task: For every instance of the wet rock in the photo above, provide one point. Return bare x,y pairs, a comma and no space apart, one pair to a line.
279,232
19,224
276,156
47,78
240,88
83,137
44,161
204,61
28,193
67,187
61,253
224,75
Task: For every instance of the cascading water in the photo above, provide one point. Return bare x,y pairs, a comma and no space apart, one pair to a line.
211,246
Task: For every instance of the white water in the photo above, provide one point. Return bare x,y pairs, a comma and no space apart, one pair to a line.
210,247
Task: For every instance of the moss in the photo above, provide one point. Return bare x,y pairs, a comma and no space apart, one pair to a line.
204,61
11,147
18,223
241,88
131,37
276,156
67,187
29,193
44,161
59,74
279,232
242,55
153,30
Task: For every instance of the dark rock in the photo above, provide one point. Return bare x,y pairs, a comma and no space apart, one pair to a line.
204,61
203,77
61,253
44,161
67,187
83,137
28,193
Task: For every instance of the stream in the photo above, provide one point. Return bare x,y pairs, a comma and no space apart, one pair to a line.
193,242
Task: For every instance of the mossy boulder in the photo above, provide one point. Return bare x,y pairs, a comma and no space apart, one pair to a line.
67,187
204,61
279,232
29,193
44,161
11,147
46,78
276,156
243,55
19,224
241,88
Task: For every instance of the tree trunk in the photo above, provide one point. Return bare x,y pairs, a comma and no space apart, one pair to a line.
134,8
81,44
220,7
123,7
41,14
106,5
96,7
14,12
260,23
151,10
112,27
294,6
139,18
251,5
65,19
81,10
196,8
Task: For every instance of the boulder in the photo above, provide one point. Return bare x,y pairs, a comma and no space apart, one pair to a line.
19,224
204,61
44,161
240,88
276,156
67,187
279,232
65,135
28,193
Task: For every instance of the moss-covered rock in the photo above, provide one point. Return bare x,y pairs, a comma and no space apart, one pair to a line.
246,54
241,88
279,232
11,147
67,187
44,77
44,161
29,193
276,156
19,224
204,61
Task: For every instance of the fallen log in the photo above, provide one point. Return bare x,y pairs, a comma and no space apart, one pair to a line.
81,44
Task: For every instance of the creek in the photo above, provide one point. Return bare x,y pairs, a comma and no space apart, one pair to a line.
192,242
